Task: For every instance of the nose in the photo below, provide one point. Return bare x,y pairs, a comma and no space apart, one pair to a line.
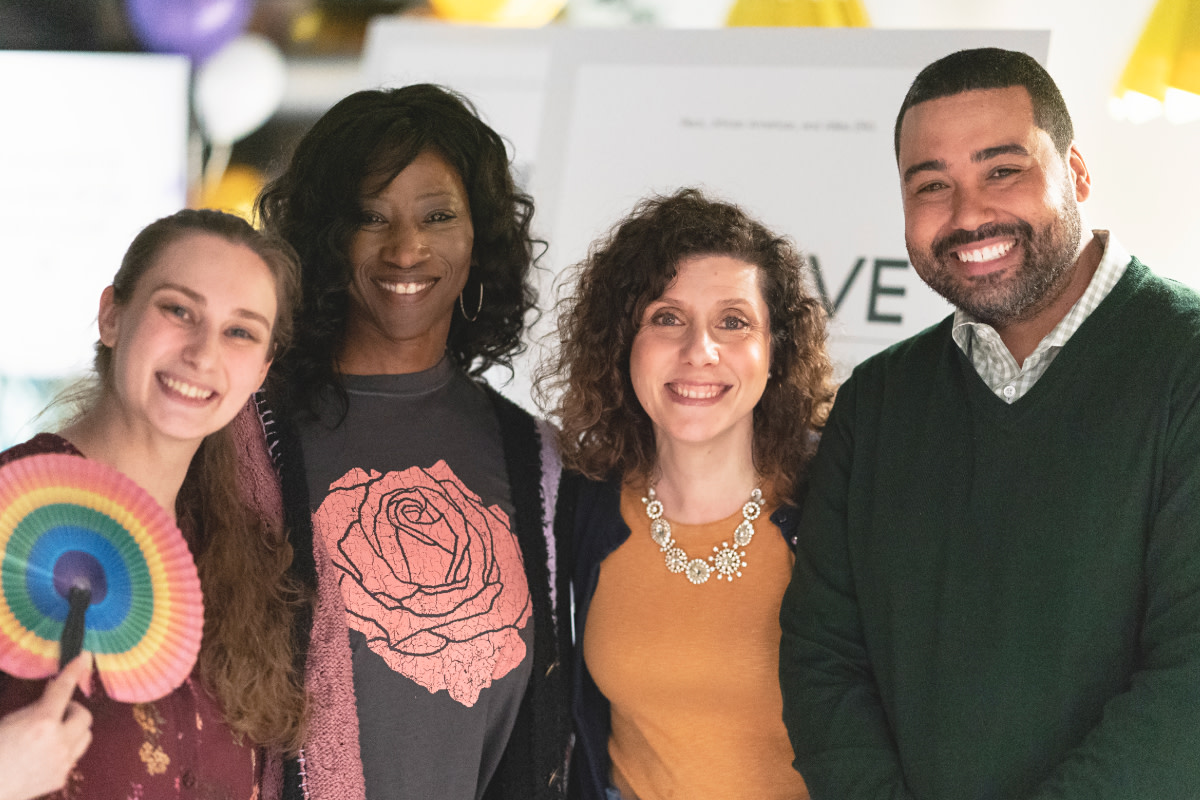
203,346
700,348
405,246
971,208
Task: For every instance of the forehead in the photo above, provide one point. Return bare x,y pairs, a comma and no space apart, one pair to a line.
214,267
199,250
430,171
963,123
726,276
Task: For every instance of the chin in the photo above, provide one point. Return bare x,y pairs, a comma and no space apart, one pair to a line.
693,436
184,430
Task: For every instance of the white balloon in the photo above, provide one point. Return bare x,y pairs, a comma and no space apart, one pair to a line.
239,88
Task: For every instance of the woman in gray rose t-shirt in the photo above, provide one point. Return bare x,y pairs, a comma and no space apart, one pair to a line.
419,500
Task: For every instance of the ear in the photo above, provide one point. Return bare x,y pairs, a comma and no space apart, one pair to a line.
109,319
262,376
1081,179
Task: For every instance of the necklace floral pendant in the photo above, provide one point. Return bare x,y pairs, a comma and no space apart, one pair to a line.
726,561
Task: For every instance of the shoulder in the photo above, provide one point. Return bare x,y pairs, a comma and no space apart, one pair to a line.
41,444
599,527
924,347
1157,327
599,494
906,365
522,430
507,412
1176,306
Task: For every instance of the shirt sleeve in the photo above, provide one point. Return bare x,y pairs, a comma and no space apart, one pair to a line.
837,724
1147,743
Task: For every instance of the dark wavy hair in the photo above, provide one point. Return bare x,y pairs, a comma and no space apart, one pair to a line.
246,654
993,68
356,149
604,430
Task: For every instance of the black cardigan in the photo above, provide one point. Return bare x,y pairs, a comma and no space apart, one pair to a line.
598,531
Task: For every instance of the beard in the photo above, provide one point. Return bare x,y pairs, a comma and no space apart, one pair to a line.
1000,299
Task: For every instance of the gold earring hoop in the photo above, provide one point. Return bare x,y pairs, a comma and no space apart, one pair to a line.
477,308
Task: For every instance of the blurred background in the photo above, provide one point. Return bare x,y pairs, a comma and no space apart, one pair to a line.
115,112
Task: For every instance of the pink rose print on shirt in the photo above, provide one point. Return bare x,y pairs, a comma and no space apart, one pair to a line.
432,577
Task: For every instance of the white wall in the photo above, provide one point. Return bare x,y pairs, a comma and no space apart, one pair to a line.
1145,178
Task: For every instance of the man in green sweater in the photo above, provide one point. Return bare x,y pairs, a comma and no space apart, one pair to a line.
997,587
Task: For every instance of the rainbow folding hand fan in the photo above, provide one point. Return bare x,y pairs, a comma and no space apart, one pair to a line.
90,559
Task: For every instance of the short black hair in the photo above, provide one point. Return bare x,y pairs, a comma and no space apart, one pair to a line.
993,68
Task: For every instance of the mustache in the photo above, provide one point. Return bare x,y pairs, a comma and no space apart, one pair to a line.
1021,231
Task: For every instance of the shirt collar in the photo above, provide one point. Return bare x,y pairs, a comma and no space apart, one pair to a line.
1113,262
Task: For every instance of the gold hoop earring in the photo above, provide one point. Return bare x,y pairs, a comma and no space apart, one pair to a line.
477,308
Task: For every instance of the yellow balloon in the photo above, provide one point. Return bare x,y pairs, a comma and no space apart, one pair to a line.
513,13
1167,53
235,192
798,13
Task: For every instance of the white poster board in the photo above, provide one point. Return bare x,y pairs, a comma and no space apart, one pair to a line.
794,124
92,148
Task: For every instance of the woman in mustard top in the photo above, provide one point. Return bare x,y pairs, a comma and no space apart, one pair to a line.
693,379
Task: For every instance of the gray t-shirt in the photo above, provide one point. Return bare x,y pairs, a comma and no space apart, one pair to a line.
411,498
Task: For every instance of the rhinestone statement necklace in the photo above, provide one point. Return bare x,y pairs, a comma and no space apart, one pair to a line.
726,561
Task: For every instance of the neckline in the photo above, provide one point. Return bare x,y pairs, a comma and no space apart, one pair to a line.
1078,348
409,384
770,505
728,523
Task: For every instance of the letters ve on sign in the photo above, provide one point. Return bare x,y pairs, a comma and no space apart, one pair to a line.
878,288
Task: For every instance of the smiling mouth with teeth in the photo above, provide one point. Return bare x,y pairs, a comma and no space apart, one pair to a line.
990,253
705,392
405,287
186,389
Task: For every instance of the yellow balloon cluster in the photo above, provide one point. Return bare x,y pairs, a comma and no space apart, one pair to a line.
798,13
513,13
1165,66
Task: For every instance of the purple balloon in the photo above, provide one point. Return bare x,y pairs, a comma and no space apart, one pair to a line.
197,28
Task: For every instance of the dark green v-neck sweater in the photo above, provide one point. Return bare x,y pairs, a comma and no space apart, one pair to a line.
1003,601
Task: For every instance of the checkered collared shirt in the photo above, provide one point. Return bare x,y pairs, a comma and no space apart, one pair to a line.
990,357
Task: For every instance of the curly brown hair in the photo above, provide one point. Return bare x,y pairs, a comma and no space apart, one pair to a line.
604,430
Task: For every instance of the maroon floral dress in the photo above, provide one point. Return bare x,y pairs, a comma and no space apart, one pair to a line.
176,747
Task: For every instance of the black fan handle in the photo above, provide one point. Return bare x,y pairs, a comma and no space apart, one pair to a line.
71,643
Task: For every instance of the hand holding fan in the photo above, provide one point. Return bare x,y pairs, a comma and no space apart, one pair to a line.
89,558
